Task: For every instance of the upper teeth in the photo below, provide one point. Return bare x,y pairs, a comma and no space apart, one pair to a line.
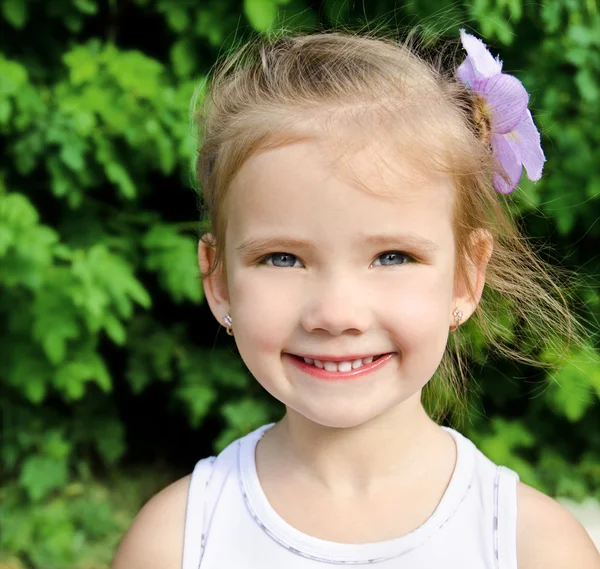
339,366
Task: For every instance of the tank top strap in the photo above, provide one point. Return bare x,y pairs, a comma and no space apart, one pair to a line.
206,485
194,514
505,518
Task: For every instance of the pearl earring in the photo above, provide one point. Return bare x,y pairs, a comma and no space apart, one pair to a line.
458,314
228,324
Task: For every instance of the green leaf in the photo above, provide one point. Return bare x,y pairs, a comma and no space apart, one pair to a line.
242,417
55,445
583,35
73,22
15,12
502,444
6,111
55,323
550,12
40,475
116,173
177,18
110,440
105,282
28,371
210,25
152,350
182,57
88,7
85,366
226,369
17,211
115,329
262,14
82,67
173,257
587,83
35,388
72,154
571,388
198,400
14,75
6,239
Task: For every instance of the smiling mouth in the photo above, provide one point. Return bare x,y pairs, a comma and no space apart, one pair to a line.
339,366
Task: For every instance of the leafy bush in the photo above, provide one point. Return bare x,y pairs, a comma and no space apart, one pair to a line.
98,228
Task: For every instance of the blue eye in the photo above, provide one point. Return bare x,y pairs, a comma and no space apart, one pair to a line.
282,260
390,258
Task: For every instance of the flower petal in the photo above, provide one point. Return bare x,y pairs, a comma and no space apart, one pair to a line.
506,99
509,162
466,73
525,140
482,60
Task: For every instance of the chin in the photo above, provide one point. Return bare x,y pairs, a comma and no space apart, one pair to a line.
341,417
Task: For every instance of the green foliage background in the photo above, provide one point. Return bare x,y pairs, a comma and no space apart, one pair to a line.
104,340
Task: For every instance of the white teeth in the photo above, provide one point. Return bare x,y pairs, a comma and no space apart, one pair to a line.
342,367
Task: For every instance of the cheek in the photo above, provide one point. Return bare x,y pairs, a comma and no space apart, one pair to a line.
422,297
263,308
419,311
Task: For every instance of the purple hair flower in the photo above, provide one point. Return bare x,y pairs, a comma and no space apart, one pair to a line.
503,100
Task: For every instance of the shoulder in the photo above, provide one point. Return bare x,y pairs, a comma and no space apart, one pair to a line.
155,539
549,536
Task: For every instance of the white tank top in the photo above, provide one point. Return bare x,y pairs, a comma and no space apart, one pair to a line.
230,523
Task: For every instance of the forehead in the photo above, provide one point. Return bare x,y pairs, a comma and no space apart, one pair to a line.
325,186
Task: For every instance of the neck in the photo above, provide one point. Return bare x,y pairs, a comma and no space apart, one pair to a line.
397,445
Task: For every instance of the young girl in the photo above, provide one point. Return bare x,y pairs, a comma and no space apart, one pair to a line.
355,193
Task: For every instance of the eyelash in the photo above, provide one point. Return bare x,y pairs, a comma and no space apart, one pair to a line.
409,259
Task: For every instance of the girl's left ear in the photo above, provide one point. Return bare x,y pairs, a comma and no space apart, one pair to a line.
468,288
215,284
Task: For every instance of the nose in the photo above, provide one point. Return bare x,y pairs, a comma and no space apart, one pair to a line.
336,305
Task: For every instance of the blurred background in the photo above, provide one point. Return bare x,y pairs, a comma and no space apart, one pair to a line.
114,377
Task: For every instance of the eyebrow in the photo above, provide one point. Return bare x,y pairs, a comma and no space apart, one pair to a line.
252,247
255,246
407,240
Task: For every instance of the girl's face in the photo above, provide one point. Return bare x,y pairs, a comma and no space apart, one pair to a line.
319,268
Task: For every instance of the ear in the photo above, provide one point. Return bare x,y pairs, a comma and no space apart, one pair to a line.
215,283
468,288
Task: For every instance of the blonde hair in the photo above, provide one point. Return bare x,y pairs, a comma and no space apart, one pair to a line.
261,93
